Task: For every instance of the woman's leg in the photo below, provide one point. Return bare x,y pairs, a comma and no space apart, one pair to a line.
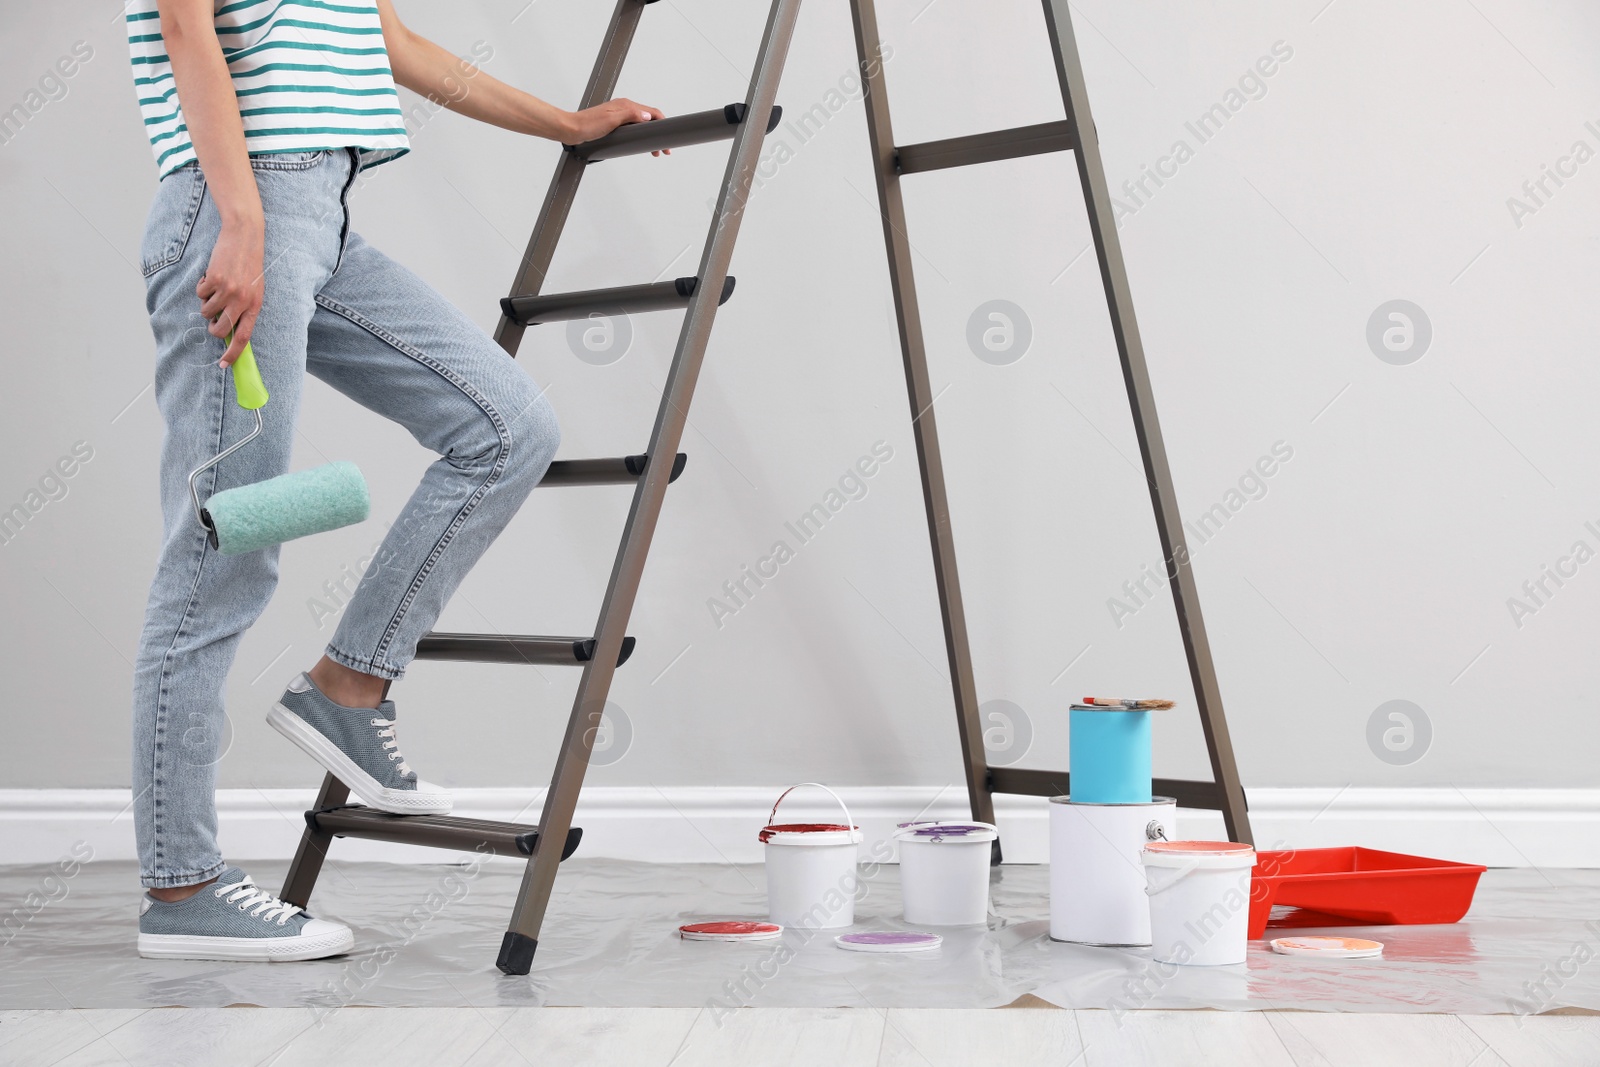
201,602
384,338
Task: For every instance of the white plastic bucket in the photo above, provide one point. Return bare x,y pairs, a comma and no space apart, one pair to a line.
1096,880
811,869
1199,900
944,872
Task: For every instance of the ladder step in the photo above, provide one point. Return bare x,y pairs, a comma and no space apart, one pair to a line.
622,300
624,470
509,648
987,147
434,831
679,131
1035,783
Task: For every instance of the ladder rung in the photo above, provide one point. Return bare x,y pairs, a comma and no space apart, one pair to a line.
1034,783
679,131
987,147
511,648
434,831
625,470
623,300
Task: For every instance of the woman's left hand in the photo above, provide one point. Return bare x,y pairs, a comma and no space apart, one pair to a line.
597,121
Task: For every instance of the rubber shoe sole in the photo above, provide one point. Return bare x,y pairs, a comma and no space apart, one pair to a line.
247,949
366,788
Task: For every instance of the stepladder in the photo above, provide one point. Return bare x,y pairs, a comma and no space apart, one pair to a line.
1075,133
598,655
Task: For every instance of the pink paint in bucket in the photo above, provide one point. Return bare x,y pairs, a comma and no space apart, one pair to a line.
811,868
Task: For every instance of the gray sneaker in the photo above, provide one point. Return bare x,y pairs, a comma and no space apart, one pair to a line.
235,919
358,747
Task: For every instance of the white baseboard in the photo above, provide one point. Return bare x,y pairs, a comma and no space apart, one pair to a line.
692,824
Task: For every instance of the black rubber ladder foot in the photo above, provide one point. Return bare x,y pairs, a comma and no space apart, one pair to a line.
516,953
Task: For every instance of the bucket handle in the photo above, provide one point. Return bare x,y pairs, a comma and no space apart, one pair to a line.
773,818
1190,865
1151,889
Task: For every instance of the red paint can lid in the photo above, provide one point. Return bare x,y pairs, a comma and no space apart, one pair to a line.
730,930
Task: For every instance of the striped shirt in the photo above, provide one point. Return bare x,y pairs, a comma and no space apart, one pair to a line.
308,75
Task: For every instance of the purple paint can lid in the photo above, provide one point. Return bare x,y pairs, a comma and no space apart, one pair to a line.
888,941
946,831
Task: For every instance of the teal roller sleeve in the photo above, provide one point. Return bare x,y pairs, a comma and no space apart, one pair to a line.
288,506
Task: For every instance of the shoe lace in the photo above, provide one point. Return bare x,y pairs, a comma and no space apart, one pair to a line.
257,901
392,743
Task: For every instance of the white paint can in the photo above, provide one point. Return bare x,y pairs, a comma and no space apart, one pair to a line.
811,869
1097,882
1199,900
944,872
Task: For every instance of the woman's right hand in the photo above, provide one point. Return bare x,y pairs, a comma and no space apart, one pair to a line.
597,121
234,284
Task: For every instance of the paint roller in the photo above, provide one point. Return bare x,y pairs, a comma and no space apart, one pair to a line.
279,509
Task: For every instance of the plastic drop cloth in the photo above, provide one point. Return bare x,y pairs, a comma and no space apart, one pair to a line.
427,936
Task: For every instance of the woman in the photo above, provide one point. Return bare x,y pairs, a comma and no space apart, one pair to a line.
261,113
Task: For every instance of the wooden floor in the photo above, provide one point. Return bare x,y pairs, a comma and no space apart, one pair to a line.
803,1037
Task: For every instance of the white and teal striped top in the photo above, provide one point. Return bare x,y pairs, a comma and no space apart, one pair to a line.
308,75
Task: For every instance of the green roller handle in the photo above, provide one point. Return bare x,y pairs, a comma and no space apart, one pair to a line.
247,383
262,514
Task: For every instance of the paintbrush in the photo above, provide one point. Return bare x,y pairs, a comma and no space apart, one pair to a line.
1130,705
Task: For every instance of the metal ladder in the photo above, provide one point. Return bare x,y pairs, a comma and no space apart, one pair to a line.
1075,133
555,838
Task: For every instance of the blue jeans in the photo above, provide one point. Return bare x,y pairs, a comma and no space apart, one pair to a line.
343,311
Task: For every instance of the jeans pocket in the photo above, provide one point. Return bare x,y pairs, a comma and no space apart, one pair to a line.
287,160
171,219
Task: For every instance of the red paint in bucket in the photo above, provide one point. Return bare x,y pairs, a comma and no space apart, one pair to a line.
804,828
811,867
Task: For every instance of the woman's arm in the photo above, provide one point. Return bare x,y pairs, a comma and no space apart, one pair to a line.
424,67
231,291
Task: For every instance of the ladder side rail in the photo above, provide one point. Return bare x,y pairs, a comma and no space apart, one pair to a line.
521,940
930,462
569,171
1141,399
314,843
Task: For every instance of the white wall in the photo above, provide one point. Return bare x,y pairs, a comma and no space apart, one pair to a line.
1418,499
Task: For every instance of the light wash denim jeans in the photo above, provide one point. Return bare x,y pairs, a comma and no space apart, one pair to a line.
343,311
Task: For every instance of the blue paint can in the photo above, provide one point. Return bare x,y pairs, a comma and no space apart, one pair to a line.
1110,756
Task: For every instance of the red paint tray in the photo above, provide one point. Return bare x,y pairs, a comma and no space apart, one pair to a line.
1361,886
